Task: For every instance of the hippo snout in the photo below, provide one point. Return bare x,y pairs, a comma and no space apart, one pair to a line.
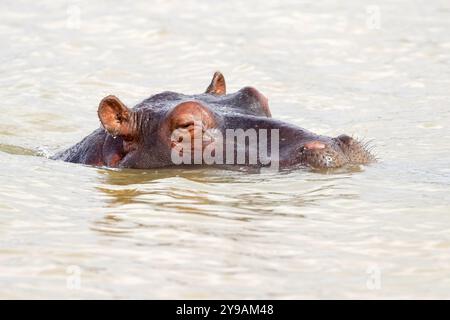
335,152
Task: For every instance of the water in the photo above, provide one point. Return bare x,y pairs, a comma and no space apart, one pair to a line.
381,231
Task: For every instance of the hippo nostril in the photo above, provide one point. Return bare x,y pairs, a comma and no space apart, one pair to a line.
347,140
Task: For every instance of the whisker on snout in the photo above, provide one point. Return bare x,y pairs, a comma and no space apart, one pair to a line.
368,146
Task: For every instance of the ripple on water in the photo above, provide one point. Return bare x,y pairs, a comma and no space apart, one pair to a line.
227,234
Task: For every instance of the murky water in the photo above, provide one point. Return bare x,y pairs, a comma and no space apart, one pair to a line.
383,73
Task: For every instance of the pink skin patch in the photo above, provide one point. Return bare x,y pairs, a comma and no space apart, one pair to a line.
113,160
314,145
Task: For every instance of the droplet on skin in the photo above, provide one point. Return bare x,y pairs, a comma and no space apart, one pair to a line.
430,125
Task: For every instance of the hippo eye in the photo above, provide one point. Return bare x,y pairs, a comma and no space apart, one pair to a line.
185,125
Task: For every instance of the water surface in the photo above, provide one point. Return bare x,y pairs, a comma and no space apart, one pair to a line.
73,231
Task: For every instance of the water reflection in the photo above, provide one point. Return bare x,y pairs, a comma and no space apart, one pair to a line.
135,198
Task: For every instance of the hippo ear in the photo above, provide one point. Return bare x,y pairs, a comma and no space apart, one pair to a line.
217,85
115,116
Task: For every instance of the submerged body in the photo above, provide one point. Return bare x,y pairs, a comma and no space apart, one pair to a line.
147,135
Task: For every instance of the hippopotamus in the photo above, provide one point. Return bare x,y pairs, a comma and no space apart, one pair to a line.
169,126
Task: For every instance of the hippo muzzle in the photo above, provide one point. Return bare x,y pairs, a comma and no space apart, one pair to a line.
335,152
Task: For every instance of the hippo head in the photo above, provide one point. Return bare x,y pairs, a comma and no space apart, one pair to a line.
143,136
327,152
